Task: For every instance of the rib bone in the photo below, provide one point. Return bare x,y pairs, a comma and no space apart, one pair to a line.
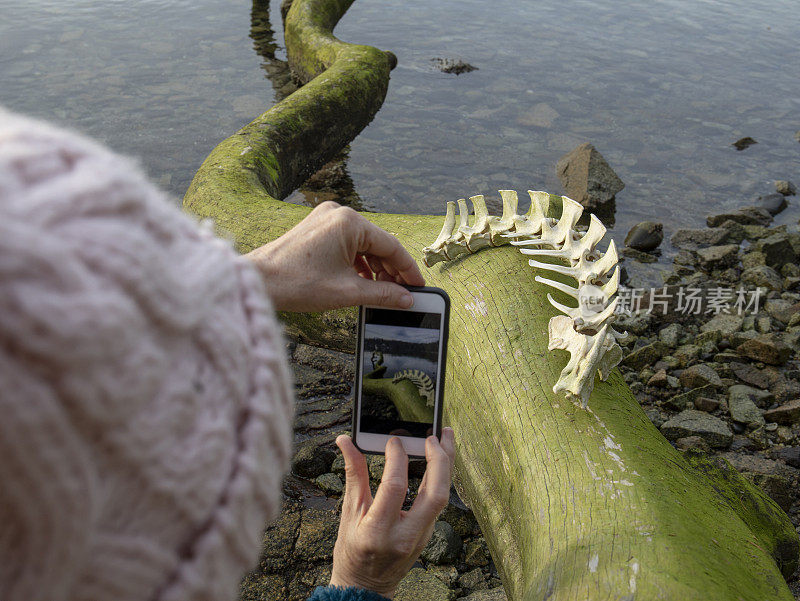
584,330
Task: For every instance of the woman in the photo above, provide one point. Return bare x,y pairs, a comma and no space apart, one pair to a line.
145,401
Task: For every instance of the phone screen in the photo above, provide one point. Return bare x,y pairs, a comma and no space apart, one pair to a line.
400,372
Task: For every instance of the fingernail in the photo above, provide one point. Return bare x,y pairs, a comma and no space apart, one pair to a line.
406,301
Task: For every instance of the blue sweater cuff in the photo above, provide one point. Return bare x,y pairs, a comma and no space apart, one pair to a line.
338,593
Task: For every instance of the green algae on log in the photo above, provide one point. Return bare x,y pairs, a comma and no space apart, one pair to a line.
574,504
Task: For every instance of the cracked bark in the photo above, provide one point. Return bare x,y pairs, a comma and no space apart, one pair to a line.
574,504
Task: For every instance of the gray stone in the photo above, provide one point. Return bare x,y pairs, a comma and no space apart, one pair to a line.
788,413
421,584
699,375
685,400
658,379
670,335
645,236
635,324
736,231
317,534
704,403
774,203
473,580
745,216
762,276
694,238
760,398
476,553
781,309
767,348
718,257
755,232
785,187
494,594
743,410
687,353
750,374
791,455
587,178
753,258
724,323
691,442
738,338
330,483
638,255
337,467
646,355
312,460
444,545
691,422
777,250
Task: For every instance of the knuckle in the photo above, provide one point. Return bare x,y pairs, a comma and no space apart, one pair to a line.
394,487
404,547
327,206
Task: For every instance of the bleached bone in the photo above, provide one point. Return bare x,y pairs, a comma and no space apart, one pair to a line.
584,330
419,379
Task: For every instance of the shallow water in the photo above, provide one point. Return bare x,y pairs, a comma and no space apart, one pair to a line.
662,89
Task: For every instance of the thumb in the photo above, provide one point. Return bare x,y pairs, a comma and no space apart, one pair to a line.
384,294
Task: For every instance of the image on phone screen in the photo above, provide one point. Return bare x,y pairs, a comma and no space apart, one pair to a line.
400,350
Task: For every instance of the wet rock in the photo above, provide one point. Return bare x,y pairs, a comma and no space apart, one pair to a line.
753,258
312,459
694,238
476,553
691,422
788,413
670,335
790,455
493,594
744,216
685,400
782,309
718,257
773,203
635,324
755,232
474,580
337,467
699,375
786,188
724,323
736,231
452,66
687,353
750,374
444,545
460,518
638,255
420,584
325,360
743,143
645,236
540,114
738,338
777,250
744,410
587,178
760,398
767,348
707,404
317,535
762,276
330,483
658,379
776,486
691,442
646,355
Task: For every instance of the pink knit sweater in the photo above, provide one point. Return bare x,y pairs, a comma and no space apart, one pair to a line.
145,401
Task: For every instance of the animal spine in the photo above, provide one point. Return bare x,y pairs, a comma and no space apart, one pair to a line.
419,379
584,331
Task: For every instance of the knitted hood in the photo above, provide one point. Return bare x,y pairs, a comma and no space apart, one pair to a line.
145,400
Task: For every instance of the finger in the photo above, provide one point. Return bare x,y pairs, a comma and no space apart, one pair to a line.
433,497
382,294
448,443
362,267
382,244
394,483
356,491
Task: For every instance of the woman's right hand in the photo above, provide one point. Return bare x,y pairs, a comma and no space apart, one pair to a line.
378,542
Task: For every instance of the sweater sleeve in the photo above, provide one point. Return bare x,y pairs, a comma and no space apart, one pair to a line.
339,593
146,402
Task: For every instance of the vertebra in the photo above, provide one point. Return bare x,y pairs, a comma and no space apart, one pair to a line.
584,331
419,379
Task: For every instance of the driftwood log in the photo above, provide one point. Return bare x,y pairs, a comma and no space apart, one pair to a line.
575,504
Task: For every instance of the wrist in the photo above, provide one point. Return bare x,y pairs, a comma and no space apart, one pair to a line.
345,581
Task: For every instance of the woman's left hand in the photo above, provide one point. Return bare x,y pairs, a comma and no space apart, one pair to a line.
336,258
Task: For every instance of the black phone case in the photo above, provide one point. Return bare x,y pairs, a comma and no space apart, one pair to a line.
442,367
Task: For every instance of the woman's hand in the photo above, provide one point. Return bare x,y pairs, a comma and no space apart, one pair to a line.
378,542
336,258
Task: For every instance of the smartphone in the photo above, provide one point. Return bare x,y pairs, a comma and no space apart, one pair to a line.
400,365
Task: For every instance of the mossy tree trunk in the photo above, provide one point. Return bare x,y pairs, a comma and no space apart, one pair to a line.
575,504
